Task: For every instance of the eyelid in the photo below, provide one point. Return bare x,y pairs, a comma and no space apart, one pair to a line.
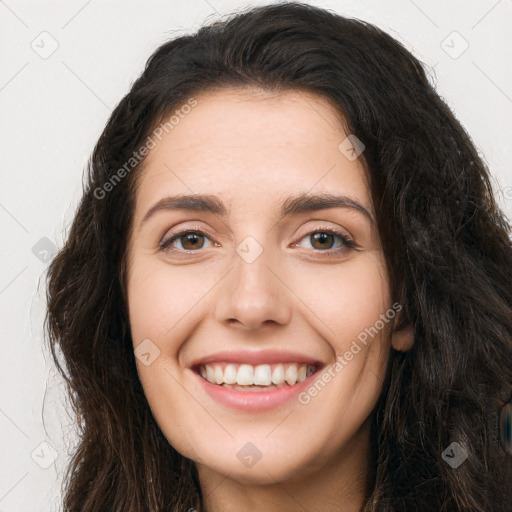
329,228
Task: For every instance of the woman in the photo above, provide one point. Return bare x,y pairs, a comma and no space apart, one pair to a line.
287,284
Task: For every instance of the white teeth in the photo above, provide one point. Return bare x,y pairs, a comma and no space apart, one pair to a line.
244,377
259,375
218,375
230,374
291,374
262,376
278,374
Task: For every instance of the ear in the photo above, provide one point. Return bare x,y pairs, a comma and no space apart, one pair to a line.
403,340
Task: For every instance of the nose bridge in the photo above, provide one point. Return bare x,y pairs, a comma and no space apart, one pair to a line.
251,294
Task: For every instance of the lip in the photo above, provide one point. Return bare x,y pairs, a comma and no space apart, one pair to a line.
255,357
255,401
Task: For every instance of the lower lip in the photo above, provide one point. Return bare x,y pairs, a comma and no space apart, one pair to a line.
255,400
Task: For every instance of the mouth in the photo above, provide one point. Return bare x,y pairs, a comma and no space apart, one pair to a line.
255,389
255,381
247,377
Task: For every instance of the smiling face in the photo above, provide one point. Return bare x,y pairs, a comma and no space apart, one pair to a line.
257,276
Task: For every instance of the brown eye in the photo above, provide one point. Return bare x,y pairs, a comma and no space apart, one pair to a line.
324,240
190,240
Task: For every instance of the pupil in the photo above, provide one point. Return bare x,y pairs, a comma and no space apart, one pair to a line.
321,237
192,237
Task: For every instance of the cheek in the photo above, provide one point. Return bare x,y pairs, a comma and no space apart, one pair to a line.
161,297
349,301
346,298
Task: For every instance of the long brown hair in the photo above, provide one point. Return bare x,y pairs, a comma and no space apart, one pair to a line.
446,243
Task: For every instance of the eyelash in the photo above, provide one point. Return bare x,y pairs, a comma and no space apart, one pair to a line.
347,242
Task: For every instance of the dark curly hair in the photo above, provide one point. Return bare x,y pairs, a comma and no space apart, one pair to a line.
446,243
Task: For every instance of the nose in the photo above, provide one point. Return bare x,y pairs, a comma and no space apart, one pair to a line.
253,295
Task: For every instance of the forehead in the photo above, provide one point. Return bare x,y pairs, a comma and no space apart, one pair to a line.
240,142
249,118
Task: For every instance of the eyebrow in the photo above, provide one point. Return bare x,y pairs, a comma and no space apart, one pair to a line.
293,205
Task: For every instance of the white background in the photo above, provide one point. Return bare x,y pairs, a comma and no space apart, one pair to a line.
53,110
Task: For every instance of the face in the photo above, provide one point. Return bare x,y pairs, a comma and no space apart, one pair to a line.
255,289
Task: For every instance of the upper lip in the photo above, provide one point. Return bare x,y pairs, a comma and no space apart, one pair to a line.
255,357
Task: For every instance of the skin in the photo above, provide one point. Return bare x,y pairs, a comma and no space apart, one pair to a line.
253,149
